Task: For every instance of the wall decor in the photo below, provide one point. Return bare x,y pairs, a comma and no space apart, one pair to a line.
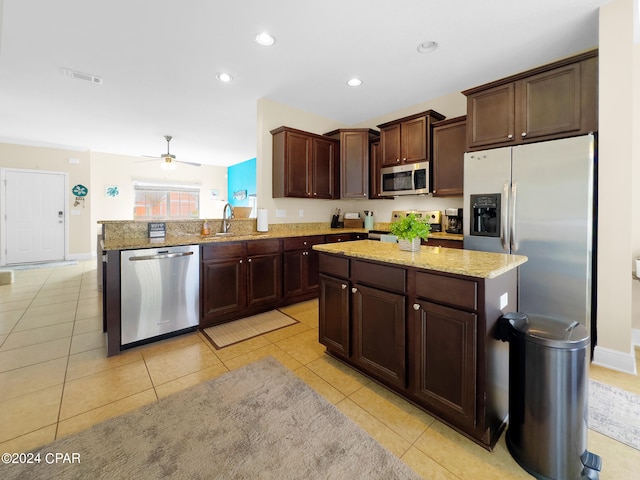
111,191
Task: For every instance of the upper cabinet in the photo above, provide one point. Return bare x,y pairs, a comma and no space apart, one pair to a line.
449,144
354,160
553,101
407,140
304,165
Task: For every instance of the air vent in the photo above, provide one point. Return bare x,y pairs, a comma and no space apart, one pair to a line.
81,76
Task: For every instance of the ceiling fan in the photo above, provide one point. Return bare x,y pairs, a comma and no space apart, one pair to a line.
168,161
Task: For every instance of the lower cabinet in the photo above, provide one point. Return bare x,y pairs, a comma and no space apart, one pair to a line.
237,276
378,320
445,361
428,336
334,332
301,266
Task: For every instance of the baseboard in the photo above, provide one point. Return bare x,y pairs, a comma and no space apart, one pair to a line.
635,337
615,360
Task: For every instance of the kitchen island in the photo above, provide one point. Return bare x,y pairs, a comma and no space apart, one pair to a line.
423,324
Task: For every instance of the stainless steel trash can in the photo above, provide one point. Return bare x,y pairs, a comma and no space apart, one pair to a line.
548,397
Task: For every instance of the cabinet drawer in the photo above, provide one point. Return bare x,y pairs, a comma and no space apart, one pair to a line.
302,243
447,290
339,237
221,251
261,247
336,266
376,275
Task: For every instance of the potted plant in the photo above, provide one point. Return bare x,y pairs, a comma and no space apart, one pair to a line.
410,230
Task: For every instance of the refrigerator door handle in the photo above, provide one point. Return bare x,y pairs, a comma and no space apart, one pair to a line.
504,220
512,224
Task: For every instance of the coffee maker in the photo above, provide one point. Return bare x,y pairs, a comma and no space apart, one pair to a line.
454,220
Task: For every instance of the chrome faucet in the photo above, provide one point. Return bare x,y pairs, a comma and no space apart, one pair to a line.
225,220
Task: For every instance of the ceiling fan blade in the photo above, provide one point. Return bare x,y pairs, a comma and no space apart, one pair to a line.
193,164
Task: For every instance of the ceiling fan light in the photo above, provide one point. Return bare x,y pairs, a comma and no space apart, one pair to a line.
354,82
224,77
168,162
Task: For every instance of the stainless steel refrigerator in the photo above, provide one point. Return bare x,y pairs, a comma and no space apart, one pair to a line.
537,200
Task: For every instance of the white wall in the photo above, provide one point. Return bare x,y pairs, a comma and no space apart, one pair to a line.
121,170
617,238
57,160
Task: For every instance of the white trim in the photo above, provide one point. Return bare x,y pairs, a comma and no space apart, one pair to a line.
635,337
615,360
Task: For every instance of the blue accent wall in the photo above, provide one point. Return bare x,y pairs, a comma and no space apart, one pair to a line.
241,177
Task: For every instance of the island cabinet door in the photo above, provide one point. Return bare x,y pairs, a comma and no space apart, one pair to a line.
333,327
444,350
379,333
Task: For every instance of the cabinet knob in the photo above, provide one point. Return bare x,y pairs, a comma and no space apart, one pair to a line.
240,261
344,286
404,159
523,134
315,194
354,290
305,242
416,306
509,136
249,260
364,194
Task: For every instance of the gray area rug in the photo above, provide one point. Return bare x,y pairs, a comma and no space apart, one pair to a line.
257,422
615,413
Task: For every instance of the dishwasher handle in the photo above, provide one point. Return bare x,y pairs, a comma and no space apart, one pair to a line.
161,255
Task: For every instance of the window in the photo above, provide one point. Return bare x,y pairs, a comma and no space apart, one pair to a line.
165,201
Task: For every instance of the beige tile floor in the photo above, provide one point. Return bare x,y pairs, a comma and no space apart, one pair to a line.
55,379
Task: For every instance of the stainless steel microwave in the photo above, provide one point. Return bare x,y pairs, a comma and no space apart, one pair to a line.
409,179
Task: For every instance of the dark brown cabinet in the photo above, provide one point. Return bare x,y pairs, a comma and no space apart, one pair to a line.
379,333
427,335
407,140
300,265
375,163
224,280
305,165
444,242
237,276
445,362
334,303
553,101
449,145
354,160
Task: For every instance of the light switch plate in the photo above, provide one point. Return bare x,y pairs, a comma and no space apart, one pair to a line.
281,213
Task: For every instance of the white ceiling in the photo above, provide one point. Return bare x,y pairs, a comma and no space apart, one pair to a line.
159,61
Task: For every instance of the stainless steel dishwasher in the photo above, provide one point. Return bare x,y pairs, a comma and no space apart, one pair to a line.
160,292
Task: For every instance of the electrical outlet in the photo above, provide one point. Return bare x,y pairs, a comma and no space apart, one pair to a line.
301,213
504,300
281,213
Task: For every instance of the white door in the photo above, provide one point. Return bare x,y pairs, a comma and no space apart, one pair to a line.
34,216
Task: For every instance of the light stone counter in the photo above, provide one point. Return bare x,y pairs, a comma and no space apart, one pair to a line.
462,262
132,234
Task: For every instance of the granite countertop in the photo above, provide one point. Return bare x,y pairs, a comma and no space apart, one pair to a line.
130,243
194,239
471,263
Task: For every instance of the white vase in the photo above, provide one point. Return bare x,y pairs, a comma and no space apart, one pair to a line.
409,245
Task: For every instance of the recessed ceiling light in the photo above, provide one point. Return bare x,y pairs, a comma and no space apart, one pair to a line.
224,77
354,82
265,39
427,47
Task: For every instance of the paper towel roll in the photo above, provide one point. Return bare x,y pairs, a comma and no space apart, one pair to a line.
263,220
